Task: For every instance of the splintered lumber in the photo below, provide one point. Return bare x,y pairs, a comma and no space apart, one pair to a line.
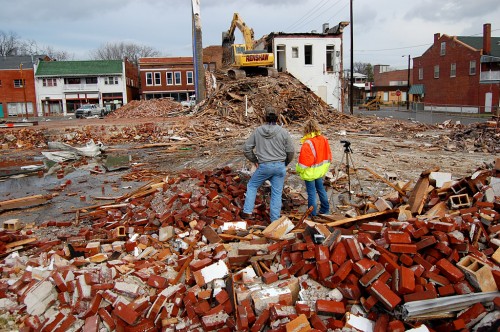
385,181
358,218
20,243
24,202
418,194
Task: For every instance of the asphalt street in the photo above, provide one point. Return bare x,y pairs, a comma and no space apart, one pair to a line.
428,117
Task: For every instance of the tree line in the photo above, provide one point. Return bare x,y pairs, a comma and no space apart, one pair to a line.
12,44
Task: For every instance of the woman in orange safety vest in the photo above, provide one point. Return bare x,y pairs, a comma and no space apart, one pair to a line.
314,161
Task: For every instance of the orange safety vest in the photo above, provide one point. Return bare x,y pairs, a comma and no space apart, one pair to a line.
314,159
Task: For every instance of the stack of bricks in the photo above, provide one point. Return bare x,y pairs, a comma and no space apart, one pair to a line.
157,260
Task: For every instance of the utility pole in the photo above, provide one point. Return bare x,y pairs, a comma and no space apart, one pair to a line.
408,86
24,90
351,85
199,70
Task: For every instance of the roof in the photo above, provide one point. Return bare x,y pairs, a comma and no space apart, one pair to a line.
79,68
417,89
13,62
168,61
477,43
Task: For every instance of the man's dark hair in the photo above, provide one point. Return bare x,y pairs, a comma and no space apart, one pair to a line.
271,118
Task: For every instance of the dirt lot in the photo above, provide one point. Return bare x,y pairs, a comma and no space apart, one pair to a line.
404,149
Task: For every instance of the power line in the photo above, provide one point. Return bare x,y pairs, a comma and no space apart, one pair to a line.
297,25
309,13
326,10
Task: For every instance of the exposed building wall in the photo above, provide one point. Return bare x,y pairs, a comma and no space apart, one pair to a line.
323,81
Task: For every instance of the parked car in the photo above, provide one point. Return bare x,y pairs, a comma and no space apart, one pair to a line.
90,110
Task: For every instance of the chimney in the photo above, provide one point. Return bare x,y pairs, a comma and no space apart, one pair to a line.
487,38
436,37
326,26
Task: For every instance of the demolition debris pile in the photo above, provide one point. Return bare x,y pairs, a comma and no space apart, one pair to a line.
151,108
174,254
478,137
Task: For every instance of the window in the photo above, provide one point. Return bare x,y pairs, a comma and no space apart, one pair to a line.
170,78
49,82
177,76
443,48
111,80
295,52
72,80
453,70
420,73
91,80
189,76
19,83
149,78
472,67
157,78
436,71
308,50
330,60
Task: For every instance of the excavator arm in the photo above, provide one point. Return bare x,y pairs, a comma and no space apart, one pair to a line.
248,35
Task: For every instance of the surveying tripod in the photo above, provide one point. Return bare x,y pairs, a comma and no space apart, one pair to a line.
347,156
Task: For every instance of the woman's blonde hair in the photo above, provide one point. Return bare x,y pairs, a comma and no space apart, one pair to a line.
311,126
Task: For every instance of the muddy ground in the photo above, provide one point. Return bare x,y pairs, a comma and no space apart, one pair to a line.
386,146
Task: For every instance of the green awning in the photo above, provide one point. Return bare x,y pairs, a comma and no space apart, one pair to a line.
417,89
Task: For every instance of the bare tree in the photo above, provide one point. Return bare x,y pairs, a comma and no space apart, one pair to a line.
57,54
9,43
118,51
365,69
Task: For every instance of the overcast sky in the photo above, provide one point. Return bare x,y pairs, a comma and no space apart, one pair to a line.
385,31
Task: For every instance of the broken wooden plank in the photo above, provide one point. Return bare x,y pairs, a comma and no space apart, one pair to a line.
362,217
372,172
418,194
20,242
24,202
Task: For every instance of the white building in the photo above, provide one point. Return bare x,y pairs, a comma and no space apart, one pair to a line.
313,58
63,86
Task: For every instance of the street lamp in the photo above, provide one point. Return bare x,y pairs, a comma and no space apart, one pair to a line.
408,85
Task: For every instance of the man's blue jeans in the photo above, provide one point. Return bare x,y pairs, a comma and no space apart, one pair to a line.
274,172
313,187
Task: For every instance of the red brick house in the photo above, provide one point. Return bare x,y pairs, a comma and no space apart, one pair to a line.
387,83
459,74
167,77
17,85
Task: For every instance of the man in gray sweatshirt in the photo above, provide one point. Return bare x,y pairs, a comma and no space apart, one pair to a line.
270,147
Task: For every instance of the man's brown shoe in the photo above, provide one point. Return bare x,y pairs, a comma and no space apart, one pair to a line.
246,216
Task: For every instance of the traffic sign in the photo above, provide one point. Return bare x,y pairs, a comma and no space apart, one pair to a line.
398,93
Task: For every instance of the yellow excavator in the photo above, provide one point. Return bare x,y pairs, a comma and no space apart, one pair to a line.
243,58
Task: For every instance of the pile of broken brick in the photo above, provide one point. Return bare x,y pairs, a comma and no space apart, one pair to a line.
174,255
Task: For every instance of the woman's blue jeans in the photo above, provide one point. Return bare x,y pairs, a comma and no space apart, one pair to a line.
274,172
313,187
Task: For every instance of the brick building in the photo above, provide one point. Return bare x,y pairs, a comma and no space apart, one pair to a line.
167,77
460,74
387,83
17,85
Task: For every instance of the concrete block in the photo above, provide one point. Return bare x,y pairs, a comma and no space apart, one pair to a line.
166,233
12,225
478,274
